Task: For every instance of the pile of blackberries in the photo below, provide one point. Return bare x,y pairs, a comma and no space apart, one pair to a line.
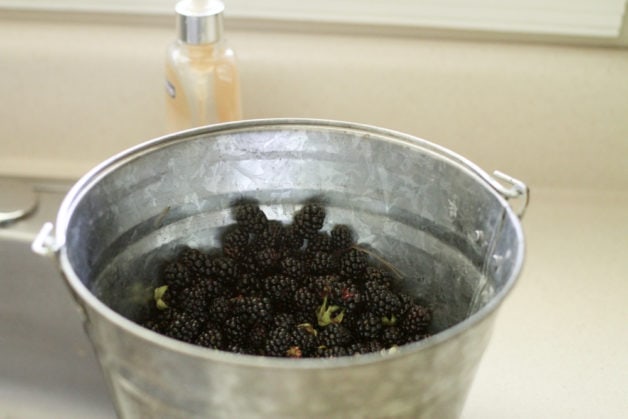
285,290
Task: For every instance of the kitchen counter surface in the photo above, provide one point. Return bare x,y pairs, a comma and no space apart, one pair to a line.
560,345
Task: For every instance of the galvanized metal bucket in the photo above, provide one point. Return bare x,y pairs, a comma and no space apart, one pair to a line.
442,221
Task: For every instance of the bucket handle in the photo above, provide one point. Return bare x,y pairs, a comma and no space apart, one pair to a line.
514,189
44,243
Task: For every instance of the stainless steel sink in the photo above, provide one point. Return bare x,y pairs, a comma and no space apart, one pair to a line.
47,366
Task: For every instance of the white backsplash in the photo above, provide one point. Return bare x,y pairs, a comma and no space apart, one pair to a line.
553,116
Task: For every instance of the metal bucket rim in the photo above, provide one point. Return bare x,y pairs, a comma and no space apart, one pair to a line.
85,297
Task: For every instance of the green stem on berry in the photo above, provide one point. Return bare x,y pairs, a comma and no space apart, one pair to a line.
158,295
389,321
325,314
308,328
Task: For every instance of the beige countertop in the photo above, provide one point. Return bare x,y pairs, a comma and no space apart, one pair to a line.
560,345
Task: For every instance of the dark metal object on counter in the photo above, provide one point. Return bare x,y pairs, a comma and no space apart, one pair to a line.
438,218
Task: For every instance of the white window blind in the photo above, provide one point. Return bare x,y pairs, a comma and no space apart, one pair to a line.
594,18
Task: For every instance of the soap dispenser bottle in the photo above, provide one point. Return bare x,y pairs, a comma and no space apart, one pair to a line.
202,81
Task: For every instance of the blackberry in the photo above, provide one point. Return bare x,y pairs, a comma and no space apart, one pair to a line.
416,321
321,242
266,259
249,284
368,326
341,237
335,334
210,337
195,261
392,335
193,301
322,284
215,288
321,263
182,326
279,341
332,352
361,348
252,309
305,300
224,269
257,337
280,289
309,220
283,320
291,342
219,310
353,264
379,276
382,301
293,267
272,236
234,241
292,240
250,217
236,331
176,274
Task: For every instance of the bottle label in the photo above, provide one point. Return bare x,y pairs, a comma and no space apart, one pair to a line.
170,89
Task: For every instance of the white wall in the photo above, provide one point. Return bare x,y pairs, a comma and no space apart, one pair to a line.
553,116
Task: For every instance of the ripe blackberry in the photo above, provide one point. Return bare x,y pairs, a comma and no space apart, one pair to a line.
176,274
368,326
322,284
361,348
193,301
292,240
305,337
382,301
224,269
252,309
416,321
249,284
332,352
210,337
353,264
335,334
378,276
266,259
182,326
322,263
236,331
234,241
286,320
293,267
321,242
195,261
341,237
219,310
279,341
271,236
215,288
309,220
258,334
305,300
280,289
250,217
392,335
